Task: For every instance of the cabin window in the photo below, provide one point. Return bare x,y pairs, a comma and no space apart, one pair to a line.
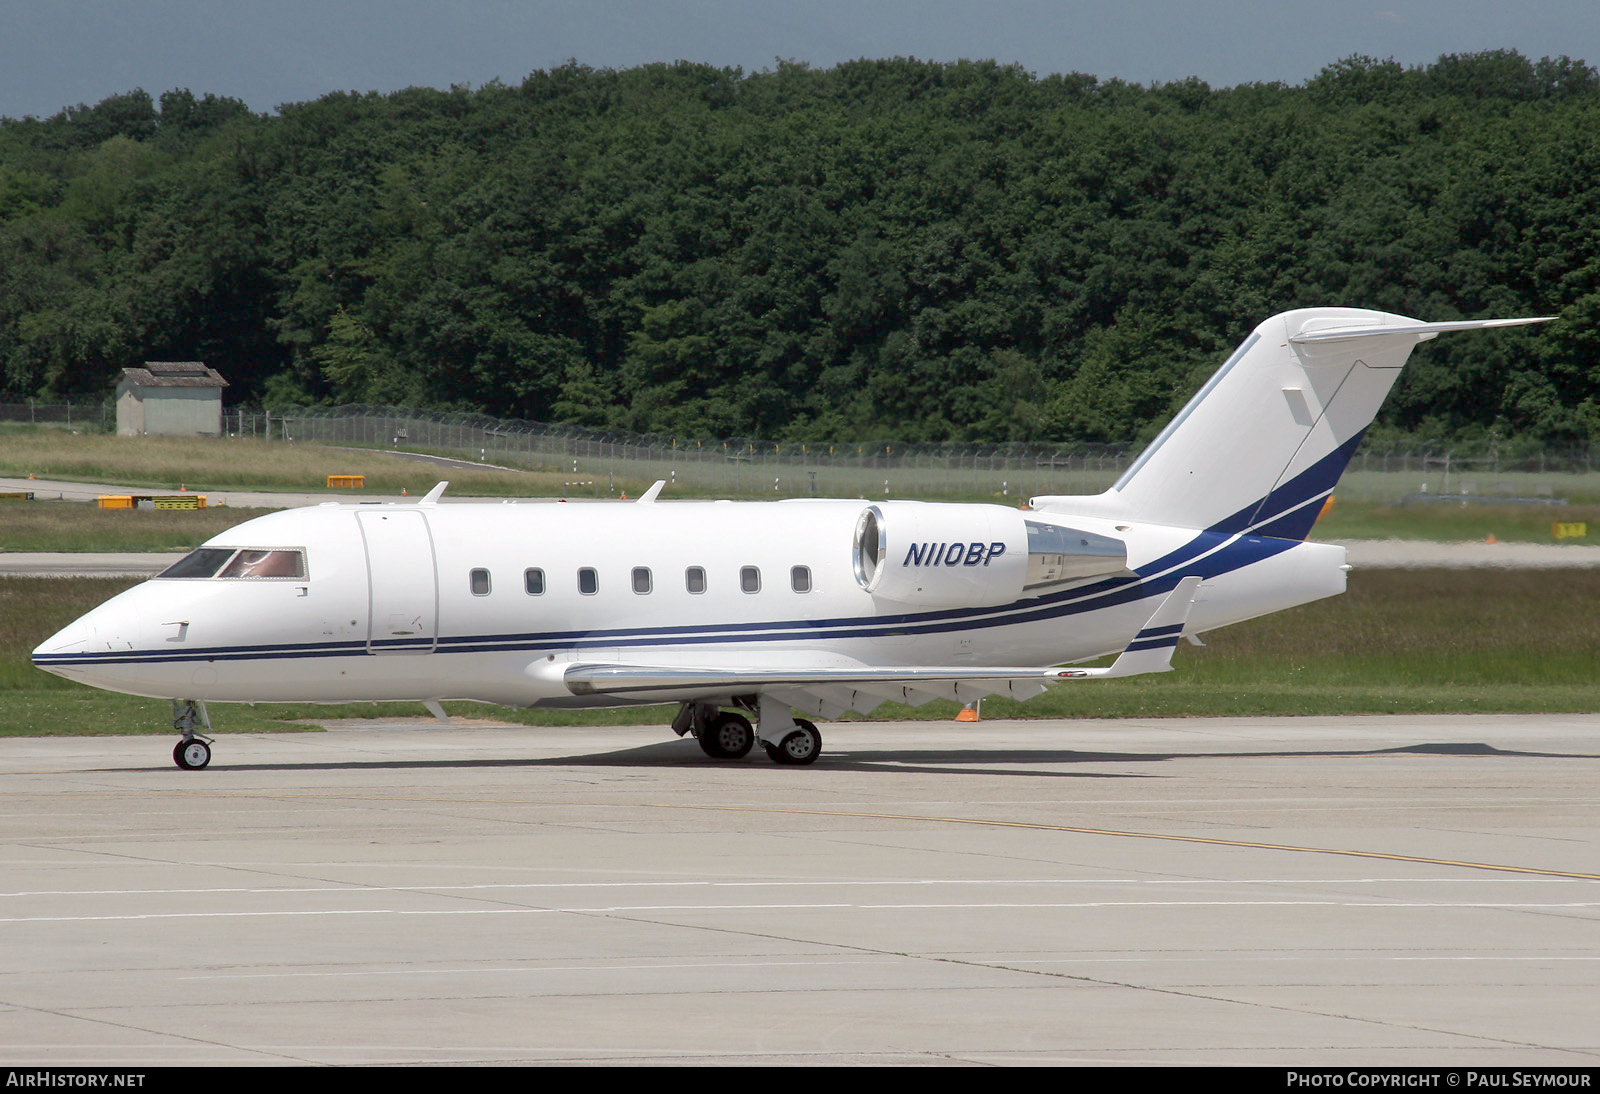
694,579
750,579
588,581
800,579
480,582
641,579
234,562
533,581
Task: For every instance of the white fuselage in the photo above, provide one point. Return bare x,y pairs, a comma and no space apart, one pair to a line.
494,601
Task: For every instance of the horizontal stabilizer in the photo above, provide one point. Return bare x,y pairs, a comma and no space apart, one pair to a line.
1422,331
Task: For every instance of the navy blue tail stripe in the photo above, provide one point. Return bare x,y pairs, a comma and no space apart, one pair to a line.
1287,510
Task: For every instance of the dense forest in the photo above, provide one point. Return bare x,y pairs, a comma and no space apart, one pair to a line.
883,249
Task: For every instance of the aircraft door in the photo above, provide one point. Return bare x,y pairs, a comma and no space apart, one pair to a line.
402,582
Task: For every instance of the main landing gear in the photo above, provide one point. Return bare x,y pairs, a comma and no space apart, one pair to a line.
728,735
194,751
800,746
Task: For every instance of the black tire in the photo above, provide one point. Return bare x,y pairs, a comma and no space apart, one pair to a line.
800,747
191,755
728,736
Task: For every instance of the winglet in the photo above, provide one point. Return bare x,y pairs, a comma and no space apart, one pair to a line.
1151,649
435,494
651,494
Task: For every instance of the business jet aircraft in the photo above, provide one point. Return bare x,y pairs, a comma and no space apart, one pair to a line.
773,608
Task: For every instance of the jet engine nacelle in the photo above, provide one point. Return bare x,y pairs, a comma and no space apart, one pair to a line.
946,556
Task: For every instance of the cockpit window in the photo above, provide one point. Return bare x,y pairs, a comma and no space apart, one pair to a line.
266,564
231,562
202,563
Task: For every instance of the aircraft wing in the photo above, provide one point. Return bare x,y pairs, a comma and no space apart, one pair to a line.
829,690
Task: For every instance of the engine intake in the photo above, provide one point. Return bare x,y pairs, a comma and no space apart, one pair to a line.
942,555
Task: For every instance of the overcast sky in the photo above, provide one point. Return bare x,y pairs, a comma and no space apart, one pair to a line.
55,53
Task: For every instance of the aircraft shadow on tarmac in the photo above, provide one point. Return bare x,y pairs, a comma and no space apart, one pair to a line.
1023,762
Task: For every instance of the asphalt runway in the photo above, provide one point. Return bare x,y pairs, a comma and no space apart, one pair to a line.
1398,891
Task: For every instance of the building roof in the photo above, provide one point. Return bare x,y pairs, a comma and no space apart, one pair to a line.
174,374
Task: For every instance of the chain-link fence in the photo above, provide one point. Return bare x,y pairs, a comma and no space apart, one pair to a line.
1486,473
735,465
91,416
741,466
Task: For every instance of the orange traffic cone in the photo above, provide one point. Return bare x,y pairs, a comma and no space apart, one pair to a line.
968,713
1491,539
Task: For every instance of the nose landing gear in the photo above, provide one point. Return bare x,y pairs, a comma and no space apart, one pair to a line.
194,751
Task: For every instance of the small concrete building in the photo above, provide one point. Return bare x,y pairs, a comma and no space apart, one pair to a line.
170,398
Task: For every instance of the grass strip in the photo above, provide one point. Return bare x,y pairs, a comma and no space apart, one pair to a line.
164,464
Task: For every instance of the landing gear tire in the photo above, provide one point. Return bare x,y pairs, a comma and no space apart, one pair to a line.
191,755
802,746
728,736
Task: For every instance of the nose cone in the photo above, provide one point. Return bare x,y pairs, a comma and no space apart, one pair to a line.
73,651
66,640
